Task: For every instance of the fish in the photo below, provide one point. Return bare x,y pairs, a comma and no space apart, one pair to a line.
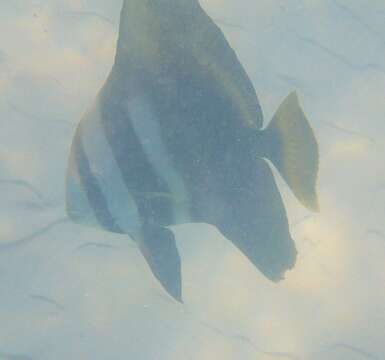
176,135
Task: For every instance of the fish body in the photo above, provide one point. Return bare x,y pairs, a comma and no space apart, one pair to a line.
175,136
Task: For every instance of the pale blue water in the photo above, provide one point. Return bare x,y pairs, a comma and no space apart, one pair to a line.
68,292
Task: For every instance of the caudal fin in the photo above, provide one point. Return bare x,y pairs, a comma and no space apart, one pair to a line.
158,246
289,143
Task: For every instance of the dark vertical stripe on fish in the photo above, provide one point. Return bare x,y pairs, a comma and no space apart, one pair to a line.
92,189
138,173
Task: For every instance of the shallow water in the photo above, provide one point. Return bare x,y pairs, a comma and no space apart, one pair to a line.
69,292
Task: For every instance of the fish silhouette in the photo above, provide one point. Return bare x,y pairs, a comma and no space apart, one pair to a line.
176,136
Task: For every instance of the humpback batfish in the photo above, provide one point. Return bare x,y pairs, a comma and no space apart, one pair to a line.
176,135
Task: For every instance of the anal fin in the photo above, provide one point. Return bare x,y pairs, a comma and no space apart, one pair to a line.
254,220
